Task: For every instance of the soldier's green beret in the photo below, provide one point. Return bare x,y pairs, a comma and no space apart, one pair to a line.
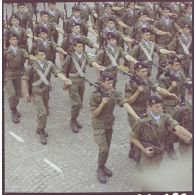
76,24
111,35
20,4
140,65
154,99
14,16
145,30
76,8
43,13
42,29
77,40
106,76
107,5
13,35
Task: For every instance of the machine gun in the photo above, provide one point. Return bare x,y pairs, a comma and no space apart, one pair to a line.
99,88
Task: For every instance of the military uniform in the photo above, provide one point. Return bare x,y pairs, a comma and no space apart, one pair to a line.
86,11
39,75
68,41
165,82
152,10
166,25
103,59
182,45
151,132
25,19
14,67
103,126
144,51
48,46
54,16
76,90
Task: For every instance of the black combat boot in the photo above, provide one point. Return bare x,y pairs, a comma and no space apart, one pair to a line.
101,175
79,125
39,131
43,138
107,171
73,125
15,118
18,113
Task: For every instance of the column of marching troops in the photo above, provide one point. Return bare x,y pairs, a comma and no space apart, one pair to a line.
159,109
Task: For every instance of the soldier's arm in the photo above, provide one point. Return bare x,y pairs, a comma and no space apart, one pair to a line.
25,85
130,110
90,28
131,59
96,112
165,92
90,44
64,46
97,66
178,130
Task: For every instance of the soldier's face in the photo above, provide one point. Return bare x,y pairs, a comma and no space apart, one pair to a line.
76,29
111,24
107,84
189,10
142,72
78,47
41,56
165,13
21,8
45,18
76,13
43,35
143,18
156,108
15,22
108,10
13,41
186,31
146,36
51,6
176,66
112,42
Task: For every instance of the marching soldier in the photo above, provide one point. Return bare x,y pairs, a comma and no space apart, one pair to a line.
152,10
50,47
67,43
182,45
144,51
111,55
187,15
51,27
54,14
177,86
86,11
137,90
74,67
102,121
14,59
168,25
149,134
38,75
16,29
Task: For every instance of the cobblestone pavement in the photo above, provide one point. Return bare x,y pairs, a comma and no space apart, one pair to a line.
68,162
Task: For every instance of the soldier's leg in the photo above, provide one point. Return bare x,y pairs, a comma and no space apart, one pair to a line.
101,141
41,116
75,106
12,98
186,67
